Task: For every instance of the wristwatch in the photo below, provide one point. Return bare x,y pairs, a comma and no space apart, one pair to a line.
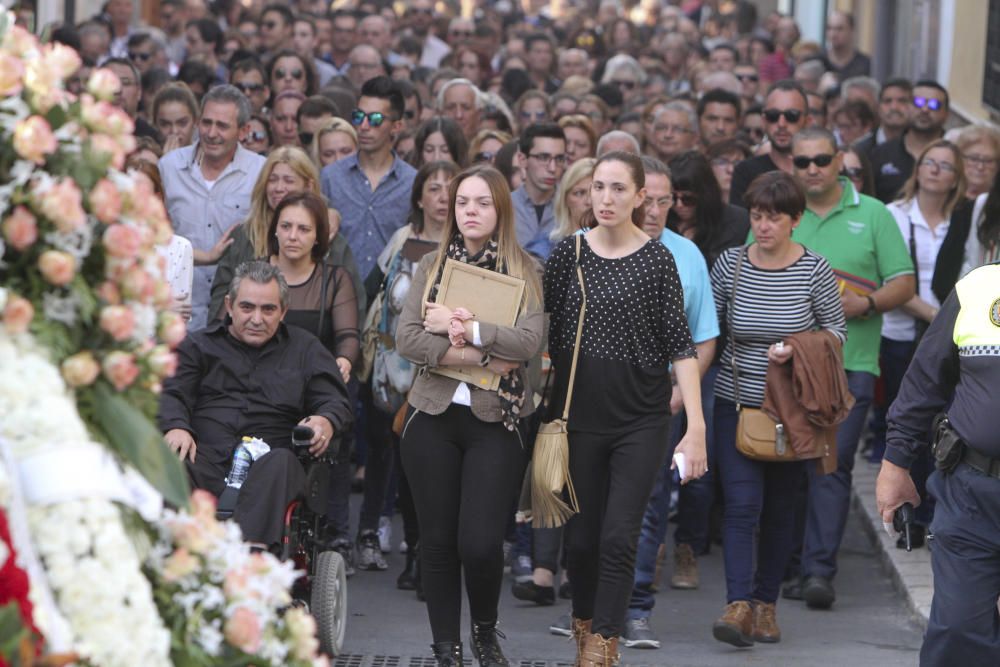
872,310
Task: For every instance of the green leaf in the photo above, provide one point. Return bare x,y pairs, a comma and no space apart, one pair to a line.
133,437
12,632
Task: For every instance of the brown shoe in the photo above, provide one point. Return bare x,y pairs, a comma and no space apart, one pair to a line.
765,623
736,625
685,574
661,558
598,651
580,629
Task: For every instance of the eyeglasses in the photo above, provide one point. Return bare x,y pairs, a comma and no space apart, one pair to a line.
256,135
927,103
791,115
852,172
485,156
247,88
537,116
753,78
627,85
141,57
672,129
548,158
375,118
934,164
281,73
980,161
688,199
821,160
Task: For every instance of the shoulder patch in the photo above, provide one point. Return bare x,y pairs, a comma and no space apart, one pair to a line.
995,313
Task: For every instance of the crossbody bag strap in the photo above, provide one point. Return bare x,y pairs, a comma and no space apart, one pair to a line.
913,253
729,325
579,330
322,298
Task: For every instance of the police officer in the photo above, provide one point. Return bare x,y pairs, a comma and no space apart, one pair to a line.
957,362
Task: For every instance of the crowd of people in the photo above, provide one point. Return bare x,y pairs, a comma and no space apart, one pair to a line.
703,182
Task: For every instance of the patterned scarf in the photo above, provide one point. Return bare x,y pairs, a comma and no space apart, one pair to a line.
511,389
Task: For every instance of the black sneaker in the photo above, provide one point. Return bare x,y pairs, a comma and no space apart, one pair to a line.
370,553
792,589
638,634
529,591
818,593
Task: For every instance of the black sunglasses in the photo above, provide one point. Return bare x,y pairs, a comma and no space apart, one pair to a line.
791,115
748,77
281,73
142,57
375,118
821,160
688,199
247,88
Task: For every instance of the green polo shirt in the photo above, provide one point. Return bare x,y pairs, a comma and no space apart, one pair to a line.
862,242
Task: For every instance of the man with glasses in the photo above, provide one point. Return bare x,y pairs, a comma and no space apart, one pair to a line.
364,63
275,29
784,114
304,41
542,153
460,32
718,116
371,190
749,84
675,131
147,51
207,186
250,77
345,25
893,161
860,239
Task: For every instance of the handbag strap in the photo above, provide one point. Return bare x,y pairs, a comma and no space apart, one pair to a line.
729,326
579,330
322,298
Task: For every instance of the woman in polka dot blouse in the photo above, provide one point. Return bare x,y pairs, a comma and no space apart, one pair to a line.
634,329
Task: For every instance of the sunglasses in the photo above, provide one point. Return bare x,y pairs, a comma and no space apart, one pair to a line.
375,118
141,57
821,160
791,115
852,172
748,77
627,85
927,103
688,199
247,88
485,156
256,135
281,73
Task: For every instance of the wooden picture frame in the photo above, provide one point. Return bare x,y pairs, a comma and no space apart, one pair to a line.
492,297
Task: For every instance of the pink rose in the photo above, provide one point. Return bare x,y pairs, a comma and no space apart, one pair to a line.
63,204
44,81
103,84
18,42
11,75
118,321
235,584
172,329
105,202
120,369
138,285
17,314
61,59
203,505
20,228
57,267
102,143
162,361
81,369
33,139
109,292
242,630
179,564
121,240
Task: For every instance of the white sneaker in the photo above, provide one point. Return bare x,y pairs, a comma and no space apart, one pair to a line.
384,534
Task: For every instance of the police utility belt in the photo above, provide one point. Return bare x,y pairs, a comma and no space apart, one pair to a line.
950,450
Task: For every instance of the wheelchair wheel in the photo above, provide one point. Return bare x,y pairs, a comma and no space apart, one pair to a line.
329,601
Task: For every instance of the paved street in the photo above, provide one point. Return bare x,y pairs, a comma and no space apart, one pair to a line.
868,627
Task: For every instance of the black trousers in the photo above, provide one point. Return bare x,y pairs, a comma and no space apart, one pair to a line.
463,474
378,465
613,476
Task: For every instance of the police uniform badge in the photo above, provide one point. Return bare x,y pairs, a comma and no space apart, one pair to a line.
995,313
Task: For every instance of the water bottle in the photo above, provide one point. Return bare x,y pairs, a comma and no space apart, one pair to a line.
241,466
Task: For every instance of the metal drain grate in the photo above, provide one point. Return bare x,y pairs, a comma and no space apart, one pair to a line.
348,660
385,661
356,660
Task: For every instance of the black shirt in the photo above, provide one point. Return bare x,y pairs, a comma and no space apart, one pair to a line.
633,328
745,172
225,389
859,65
892,164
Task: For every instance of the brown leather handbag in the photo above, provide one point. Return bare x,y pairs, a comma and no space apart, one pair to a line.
758,436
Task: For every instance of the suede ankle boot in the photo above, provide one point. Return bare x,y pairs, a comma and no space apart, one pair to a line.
765,623
486,646
598,651
448,654
736,624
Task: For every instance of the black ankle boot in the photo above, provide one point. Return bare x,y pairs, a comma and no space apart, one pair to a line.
448,654
407,580
485,647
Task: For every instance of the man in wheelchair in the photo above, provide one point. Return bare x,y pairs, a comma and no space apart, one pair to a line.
251,375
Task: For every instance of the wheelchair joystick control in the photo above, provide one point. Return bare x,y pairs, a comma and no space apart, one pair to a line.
302,436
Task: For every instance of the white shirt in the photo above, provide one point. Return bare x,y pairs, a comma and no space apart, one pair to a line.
974,254
180,266
897,324
463,395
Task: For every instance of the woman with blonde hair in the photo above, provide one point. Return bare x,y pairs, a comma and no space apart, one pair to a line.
573,198
287,170
581,139
460,447
486,144
980,146
335,140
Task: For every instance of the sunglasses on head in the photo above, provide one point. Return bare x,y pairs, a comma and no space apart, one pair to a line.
791,115
142,57
927,103
281,73
821,160
375,118
256,135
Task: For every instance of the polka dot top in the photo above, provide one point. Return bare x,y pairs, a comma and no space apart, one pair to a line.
634,327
